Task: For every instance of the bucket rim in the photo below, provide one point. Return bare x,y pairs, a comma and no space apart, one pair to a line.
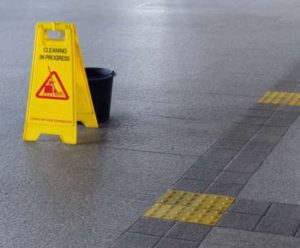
106,73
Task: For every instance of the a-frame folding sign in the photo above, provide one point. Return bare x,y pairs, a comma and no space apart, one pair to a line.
59,94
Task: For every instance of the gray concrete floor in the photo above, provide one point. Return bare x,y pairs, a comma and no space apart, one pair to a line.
187,70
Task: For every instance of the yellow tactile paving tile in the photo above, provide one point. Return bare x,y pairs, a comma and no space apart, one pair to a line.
169,212
281,97
200,216
190,207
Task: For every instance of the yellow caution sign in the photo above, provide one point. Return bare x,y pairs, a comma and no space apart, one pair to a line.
59,94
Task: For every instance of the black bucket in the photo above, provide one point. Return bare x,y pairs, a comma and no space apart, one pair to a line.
100,83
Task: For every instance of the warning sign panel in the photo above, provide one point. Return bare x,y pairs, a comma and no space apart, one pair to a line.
59,94
53,88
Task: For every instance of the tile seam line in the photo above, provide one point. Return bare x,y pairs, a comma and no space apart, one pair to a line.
165,235
257,224
156,243
155,152
255,231
297,229
263,215
176,118
277,234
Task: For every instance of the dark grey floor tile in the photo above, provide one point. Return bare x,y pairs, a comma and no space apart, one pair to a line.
286,86
211,165
270,134
279,122
233,177
259,113
253,120
233,238
250,156
276,225
248,206
224,189
234,135
176,243
255,146
242,166
282,118
188,231
245,127
286,114
298,233
151,226
239,221
230,144
219,154
190,185
201,174
289,108
261,106
136,240
287,211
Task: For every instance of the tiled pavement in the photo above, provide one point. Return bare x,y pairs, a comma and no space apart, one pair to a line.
224,170
187,71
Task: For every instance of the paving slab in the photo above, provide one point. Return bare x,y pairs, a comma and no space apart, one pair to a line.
151,226
209,164
201,174
233,177
278,225
250,206
232,238
243,166
230,189
218,154
260,146
176,243
285,211
278,178
191,185
239,221
128,240
188,231
230,144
